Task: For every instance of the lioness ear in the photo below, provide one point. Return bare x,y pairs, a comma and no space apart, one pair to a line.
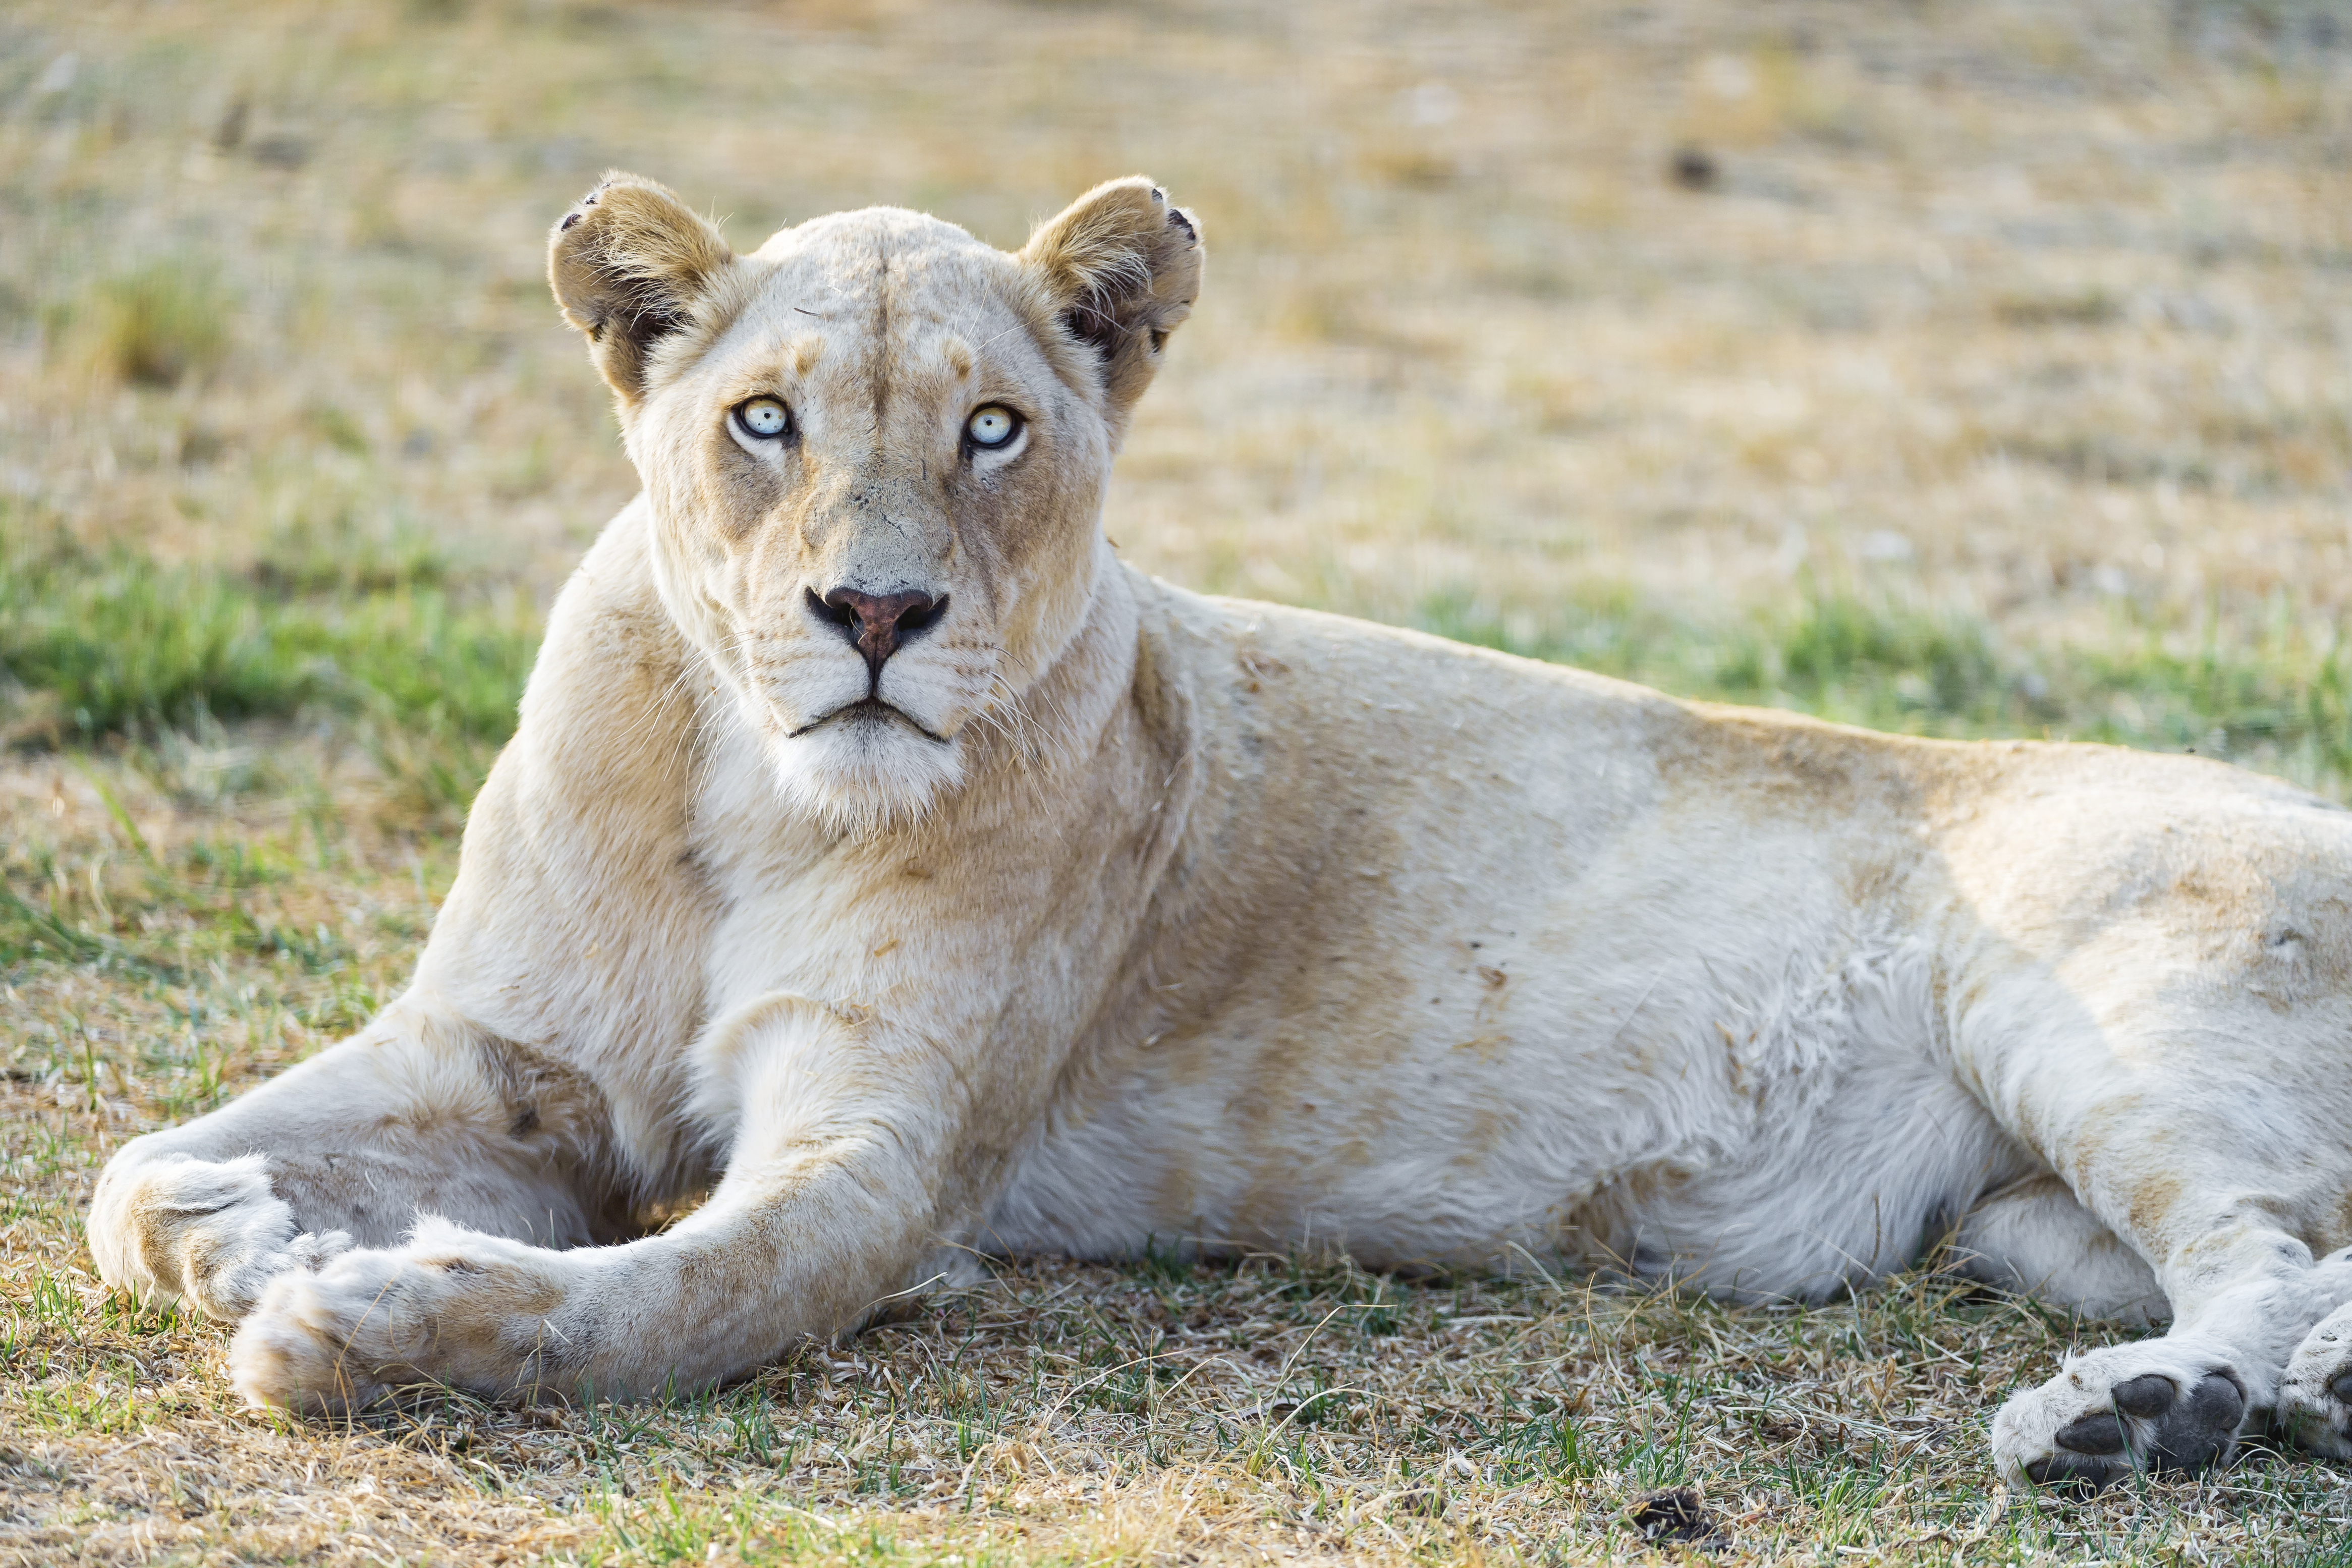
632,265
1121,267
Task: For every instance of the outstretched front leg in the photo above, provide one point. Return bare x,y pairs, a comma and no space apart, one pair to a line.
848,1169
418,1114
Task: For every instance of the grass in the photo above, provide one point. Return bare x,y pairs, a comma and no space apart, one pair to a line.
119,645
155,326
1993,384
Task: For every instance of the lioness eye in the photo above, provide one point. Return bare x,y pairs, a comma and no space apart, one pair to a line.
765,418
993,427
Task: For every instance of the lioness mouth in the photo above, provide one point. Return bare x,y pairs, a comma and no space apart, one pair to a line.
873,709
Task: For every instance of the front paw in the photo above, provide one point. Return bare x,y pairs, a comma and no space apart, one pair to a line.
452,1308
170,1226
2168,1405
2315,1403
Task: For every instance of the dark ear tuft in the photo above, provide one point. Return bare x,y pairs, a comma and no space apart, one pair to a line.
1120,269
632,265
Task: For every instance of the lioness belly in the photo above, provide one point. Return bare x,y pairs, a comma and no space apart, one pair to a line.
1535,961
1867,1197
1732,1102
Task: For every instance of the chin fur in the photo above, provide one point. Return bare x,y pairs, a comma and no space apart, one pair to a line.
860,777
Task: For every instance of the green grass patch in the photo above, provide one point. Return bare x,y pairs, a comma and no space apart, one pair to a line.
122,644
98,646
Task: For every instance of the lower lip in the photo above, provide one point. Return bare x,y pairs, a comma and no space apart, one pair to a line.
865,710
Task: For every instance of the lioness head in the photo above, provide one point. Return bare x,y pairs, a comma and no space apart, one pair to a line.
875,451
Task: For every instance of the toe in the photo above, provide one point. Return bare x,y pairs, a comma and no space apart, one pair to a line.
2201,1428
2081,1473
2098,1435
2146,1398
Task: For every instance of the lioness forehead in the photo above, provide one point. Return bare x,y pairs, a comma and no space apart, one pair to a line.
879,282
865,231
884,259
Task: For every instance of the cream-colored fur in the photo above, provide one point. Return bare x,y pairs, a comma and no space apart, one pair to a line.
1100,912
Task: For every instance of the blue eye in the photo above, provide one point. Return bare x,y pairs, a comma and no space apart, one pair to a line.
765,418
993,427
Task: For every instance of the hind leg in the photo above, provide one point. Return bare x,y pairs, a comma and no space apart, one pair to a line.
2034,1237
2143,1404
416,1115
2223,1167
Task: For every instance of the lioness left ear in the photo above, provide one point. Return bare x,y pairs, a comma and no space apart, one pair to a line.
632,266
1120,269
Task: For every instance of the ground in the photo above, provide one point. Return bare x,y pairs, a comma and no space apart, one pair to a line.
1977,369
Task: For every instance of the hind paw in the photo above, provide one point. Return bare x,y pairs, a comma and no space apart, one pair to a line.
2165,1406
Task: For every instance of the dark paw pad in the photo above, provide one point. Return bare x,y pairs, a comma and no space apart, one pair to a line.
2145,1397
2101,1434
2200,1428
2079,1473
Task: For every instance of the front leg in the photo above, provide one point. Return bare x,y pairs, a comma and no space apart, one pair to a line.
420,1113
169,1225
849,1163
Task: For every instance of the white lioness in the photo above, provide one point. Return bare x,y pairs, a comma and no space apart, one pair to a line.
880,853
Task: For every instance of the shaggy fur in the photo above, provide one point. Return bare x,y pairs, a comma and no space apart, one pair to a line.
1101,911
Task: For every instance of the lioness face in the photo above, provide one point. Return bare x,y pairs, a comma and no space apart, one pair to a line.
875,451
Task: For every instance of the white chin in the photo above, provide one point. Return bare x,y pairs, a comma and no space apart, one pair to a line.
862,773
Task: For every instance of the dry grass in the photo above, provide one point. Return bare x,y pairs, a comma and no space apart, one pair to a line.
1989,371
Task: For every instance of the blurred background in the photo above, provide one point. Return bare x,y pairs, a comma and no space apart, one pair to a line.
1963,368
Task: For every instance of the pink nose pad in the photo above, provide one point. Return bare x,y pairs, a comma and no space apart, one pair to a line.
878,624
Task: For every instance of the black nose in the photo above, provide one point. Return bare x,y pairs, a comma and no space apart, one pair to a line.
878,622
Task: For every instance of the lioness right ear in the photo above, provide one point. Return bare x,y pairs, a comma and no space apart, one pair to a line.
632,268
1121,267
